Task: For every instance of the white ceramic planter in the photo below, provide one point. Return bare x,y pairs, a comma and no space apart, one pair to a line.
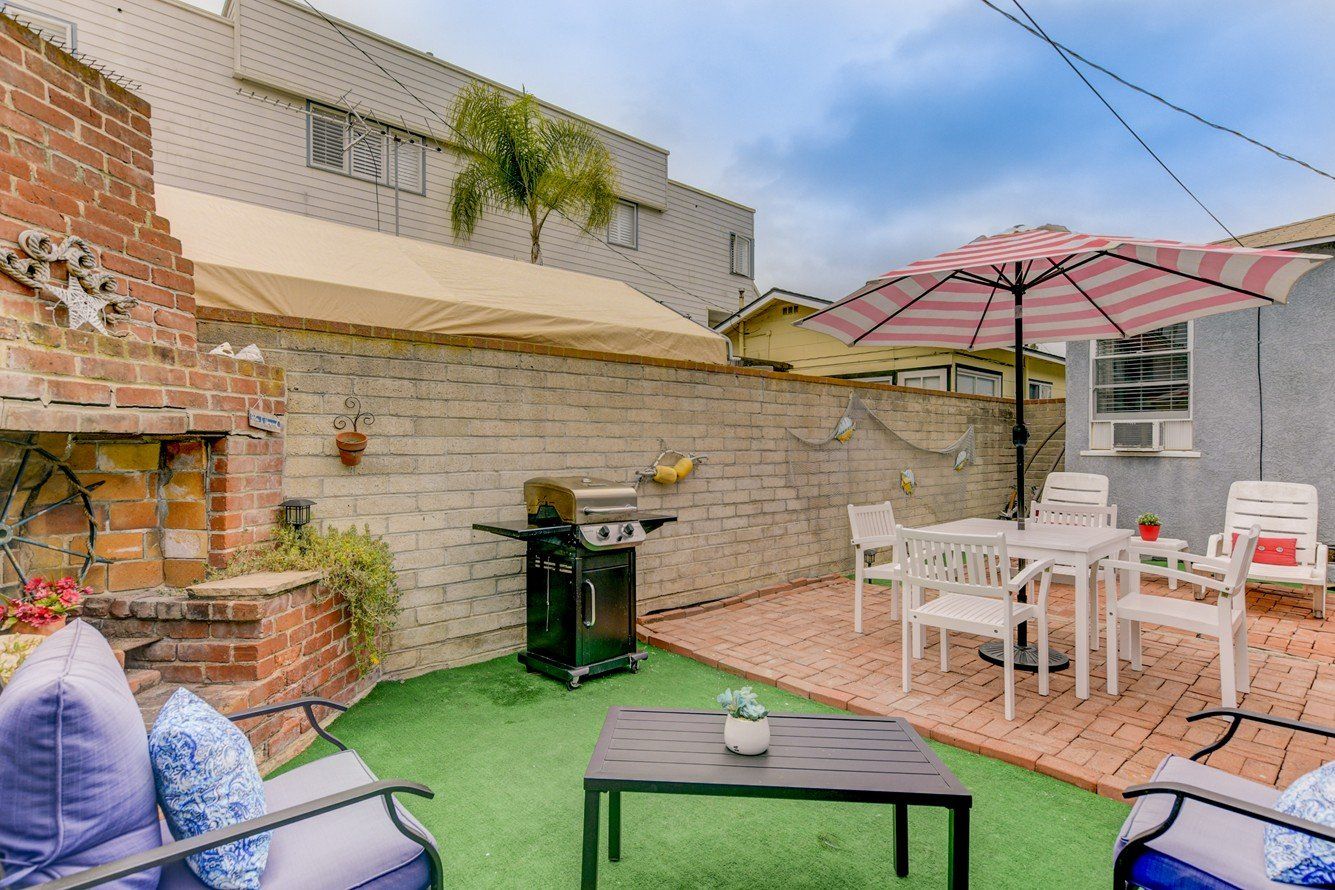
746,736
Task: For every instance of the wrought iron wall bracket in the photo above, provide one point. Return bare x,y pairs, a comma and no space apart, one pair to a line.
354,417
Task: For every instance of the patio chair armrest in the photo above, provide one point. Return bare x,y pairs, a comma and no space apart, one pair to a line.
1182,792
1149,568
177,850
307,705
1214,546
1022,578
874,543
1236,717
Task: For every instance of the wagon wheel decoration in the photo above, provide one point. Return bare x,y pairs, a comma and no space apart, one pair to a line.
42,485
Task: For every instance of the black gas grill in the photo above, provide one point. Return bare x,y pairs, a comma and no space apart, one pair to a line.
581,534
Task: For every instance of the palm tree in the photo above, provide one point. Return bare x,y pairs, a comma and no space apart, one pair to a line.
516,158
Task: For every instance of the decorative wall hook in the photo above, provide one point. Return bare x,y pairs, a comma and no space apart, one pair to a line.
352,442
671,466
89,294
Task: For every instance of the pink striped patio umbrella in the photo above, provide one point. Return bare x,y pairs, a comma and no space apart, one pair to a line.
1048,284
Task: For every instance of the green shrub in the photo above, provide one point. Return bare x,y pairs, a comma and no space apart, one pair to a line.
357,566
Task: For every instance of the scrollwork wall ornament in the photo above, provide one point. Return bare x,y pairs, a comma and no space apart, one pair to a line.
89,293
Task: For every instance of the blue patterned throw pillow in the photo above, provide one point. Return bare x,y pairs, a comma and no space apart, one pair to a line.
206,778
1296,858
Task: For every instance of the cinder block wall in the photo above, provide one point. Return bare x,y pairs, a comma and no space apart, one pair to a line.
460,424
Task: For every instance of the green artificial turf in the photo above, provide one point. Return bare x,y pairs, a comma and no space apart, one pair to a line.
505,752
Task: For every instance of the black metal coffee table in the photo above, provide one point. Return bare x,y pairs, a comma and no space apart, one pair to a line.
837,757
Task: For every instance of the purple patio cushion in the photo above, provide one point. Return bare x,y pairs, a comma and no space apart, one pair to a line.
76,787
356,846
1206,848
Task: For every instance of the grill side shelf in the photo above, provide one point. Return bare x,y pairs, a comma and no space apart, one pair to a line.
520,530
652,521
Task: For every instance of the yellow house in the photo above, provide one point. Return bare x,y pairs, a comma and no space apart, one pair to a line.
764,330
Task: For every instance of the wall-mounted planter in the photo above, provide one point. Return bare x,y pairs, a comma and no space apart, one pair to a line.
351,442
350,447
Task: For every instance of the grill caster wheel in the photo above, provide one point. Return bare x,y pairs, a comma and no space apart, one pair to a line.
634,667
572,683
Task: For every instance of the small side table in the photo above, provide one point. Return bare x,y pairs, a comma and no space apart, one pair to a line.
1138,548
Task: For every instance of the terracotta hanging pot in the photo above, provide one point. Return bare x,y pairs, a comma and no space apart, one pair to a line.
45,630
350,447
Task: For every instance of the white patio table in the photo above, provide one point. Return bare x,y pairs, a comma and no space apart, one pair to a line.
1070,545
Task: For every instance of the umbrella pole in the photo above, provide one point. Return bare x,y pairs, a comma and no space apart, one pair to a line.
1026,656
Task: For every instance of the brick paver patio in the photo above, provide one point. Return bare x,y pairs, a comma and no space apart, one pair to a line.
800,637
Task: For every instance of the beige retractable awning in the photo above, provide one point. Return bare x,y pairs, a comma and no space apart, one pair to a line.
257,259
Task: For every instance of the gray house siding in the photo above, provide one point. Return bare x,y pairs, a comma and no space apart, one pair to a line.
209,137
1298,380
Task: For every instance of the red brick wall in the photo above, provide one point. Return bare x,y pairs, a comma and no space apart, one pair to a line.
76,159
249,650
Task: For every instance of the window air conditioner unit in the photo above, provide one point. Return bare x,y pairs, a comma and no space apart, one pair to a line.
1137,435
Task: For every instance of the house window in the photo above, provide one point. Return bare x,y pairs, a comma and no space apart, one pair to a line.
978,383
341,143
1145,377
790,310
60,31
928,378
742,255
623,229
1040,389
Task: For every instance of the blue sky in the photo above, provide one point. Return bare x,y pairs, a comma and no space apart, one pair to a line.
868,134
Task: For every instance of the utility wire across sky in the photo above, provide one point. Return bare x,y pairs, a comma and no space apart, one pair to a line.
1038,32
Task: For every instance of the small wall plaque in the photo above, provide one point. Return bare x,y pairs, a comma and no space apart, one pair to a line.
267,422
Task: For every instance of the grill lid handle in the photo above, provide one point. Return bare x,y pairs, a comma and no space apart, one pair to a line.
590,511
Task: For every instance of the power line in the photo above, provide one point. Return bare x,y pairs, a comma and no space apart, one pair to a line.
1284,156
637,265
1260,388
383,70
333,24
1121,120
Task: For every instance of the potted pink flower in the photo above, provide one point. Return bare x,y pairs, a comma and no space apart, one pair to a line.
43,607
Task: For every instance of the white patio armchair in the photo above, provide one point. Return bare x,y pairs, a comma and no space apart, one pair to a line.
873,528
977,595
1224,620
1078,514
1279,509
1087,489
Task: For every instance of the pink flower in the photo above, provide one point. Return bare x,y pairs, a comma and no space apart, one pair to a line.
43,602
37,616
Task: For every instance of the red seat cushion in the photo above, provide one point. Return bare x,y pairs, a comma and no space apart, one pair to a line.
1274,551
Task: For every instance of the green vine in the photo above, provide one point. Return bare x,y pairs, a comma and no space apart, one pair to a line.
357,566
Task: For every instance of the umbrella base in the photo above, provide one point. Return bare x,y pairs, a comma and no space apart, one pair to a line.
1026,657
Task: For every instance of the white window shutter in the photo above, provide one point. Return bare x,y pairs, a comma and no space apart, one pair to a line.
409,165
326,139
741,255
623,227
368,154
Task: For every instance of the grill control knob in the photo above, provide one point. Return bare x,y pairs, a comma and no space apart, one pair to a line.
603,532
628,530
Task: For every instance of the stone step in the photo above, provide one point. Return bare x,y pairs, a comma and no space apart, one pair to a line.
142,679
225,697
123,646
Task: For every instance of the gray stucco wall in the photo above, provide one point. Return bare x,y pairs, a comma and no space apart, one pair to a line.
1298,382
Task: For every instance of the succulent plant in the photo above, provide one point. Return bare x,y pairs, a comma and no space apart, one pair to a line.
1148,519
742,704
